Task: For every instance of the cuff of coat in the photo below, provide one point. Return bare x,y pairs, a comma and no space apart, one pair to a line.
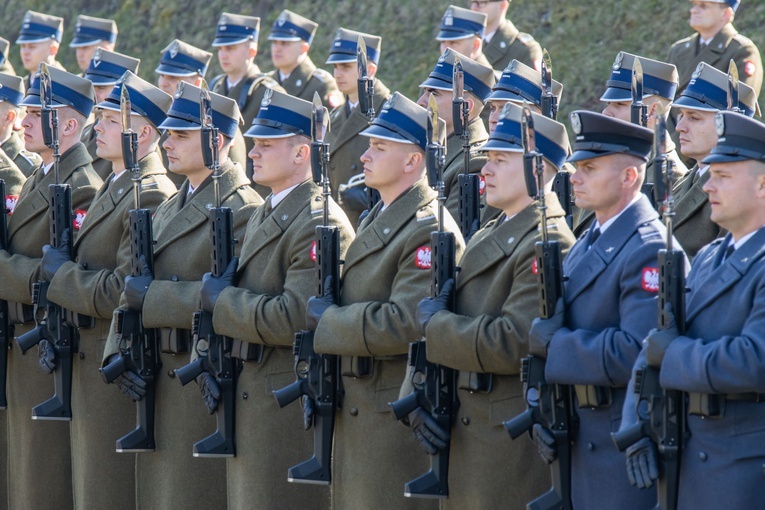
341,331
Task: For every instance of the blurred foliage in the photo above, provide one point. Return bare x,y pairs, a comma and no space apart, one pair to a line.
582,36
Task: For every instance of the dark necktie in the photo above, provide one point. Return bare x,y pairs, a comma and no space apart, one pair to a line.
729,251
592,236
267,208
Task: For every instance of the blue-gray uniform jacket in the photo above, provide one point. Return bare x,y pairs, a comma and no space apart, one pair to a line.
723,352
610,299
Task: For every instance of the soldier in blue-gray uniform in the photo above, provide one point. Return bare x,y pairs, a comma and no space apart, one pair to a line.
719,359
594,337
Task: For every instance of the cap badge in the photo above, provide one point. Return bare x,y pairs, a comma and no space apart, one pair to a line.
267,97
338,35
282,19
442,58
511,67
388,104
576,123
179,90
720,124
174,50
618,61
97,57
449,18
698,70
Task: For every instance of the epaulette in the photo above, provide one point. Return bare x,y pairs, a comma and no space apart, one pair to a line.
317,206
717,241
647,232
321,75
23,154
425,213
525,38
149,185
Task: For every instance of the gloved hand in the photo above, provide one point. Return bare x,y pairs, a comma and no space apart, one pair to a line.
318,305
428,307
545,442
542,331
658,340
136,287
306,403
474,227
47,356
54,258
642,468
210,391
354,198
427,432
212,286
132,385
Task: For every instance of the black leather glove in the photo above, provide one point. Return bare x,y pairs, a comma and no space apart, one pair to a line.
54,258
427,432
132,385
428,307
658,340
210,391
47,356
474,227
545,442
542,331
212,286
136,287
354,198
306,403
318,305
642,467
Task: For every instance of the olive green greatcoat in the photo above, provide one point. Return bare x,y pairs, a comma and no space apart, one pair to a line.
170,477
509,44
455,165
497,299
25,160
346,146
693,227
276,276
37,450
386,273
14,180
102,167
257,83
91,285
306,79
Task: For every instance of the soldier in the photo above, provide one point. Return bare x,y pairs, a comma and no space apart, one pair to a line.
91,285
519,84
182,62
170,477
713,359
11,114
275,278
716,43
345,144
502,42
385,274
496,296
697,106
462,31
659,86
39,40
594,337
104,71
291,37
41,450
91,33
478,82
5,65
237,42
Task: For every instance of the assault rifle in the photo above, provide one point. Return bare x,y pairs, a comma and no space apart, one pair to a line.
6,327
318,375
216,359
665,423
435,386
469,184
139,347
639,110
547,404
366,90
51,323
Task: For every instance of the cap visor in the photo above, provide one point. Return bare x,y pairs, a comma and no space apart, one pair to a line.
33,38
283,37
693,104
341,58
79,42
505,95
613,95
176,124
436,83
260,131
500,145
582,155
378,131
173,71
99,80
225,41
451,35
724,158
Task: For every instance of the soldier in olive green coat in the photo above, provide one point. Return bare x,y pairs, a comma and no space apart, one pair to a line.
386,273
91,285
41,450
170,477
478,81
275,277
348,120
503,42
11,113
487,333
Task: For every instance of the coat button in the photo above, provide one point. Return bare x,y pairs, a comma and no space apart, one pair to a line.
386,230
245,395
702,456
354,166
173,278
354,411
466,421
82,355
171,374
590,446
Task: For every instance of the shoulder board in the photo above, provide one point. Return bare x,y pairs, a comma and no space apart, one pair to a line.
317,206
215,81
26,156
717,241
149,185
321,75
525,38
425,214
648,231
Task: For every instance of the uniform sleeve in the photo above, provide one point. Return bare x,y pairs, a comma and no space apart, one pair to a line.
97,293
485,343
18,273
749,63
379,328
609,355
272,320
